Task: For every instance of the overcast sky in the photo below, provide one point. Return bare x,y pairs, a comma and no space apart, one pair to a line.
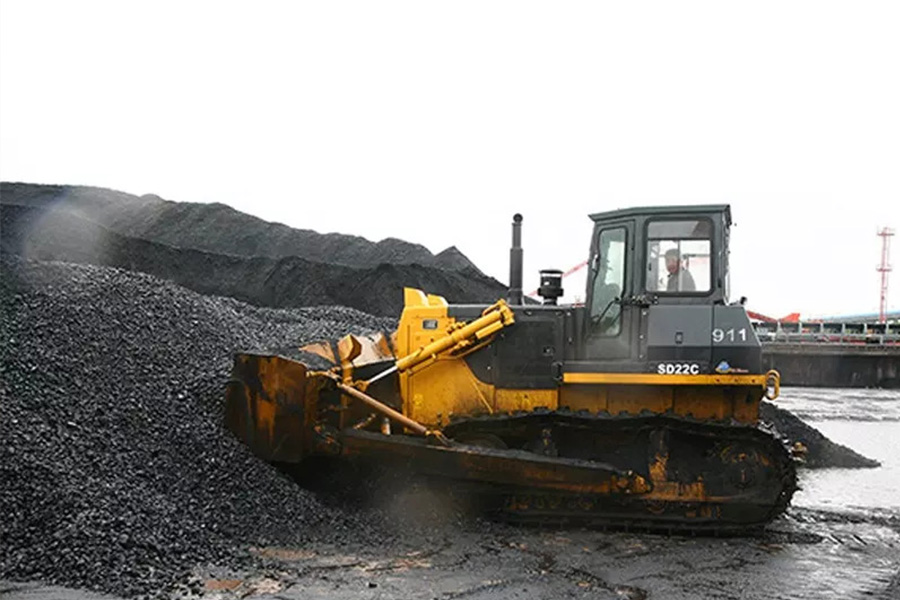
435,122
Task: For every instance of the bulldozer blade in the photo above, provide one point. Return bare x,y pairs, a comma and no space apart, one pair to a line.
270,405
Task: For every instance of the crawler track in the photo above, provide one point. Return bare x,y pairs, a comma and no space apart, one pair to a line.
747,473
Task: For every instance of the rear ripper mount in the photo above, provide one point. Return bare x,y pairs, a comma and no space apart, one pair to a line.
639,408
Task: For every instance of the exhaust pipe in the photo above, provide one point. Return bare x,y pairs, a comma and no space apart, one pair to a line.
514,297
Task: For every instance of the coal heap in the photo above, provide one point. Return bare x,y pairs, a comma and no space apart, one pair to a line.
219,229
117,471
821,452
210,249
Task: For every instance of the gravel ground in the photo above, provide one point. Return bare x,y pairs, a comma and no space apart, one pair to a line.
117,473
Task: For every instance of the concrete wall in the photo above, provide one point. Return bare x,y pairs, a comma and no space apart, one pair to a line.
834,365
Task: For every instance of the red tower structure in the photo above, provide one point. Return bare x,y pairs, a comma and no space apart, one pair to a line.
884,268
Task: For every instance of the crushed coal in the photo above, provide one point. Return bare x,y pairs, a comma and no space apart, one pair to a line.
117,471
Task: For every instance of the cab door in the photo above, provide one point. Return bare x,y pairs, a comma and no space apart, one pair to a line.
610,325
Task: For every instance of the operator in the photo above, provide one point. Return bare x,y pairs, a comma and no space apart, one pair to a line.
680,279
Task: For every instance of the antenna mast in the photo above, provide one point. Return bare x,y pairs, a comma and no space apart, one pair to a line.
884,268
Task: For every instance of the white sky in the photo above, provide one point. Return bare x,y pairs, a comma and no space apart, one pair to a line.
435,122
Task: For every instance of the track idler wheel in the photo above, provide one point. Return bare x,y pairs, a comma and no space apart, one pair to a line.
744,467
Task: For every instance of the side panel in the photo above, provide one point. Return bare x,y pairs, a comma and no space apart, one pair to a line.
698,401
530,353
734,341
517,371
525,354
436,390
442,389
679,334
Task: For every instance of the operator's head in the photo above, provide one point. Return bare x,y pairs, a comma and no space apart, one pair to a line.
673,260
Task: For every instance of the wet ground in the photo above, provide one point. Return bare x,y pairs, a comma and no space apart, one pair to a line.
808,554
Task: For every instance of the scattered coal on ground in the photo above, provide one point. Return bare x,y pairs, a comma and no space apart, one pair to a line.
51,233
821,452
117,472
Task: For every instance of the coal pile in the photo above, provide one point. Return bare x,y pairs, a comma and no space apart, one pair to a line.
117,472
99,228
821,452
220,229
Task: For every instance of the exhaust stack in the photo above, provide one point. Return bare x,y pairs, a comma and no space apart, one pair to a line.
515,263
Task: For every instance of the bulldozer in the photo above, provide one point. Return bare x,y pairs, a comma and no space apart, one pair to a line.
637,408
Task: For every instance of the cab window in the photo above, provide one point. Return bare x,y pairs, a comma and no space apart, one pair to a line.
678,256
609,281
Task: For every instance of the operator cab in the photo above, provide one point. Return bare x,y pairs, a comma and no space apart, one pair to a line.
657,292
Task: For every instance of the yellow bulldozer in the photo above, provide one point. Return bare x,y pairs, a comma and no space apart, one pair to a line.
637,408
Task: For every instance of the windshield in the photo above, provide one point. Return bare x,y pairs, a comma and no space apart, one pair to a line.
678,256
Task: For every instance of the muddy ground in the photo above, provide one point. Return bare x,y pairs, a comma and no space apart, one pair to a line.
806,554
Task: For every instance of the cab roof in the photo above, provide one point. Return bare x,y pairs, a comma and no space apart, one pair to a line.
673,210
